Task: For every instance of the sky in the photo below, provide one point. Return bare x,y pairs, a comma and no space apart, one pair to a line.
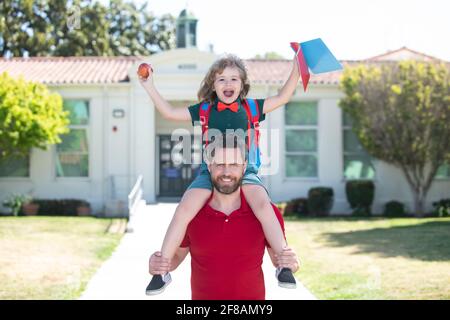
352,29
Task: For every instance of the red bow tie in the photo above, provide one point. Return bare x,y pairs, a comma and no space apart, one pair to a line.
222,106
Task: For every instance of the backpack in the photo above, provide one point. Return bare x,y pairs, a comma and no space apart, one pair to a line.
252,110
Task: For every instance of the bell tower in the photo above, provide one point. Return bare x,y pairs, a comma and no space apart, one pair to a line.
186,30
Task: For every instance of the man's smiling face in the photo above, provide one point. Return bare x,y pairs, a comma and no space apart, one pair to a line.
228,85
227,169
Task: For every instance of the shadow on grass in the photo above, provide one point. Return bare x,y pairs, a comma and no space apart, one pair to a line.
429,241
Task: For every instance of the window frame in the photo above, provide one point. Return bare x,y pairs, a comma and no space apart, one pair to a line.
373,160
297,153
86,127
20,179
445,179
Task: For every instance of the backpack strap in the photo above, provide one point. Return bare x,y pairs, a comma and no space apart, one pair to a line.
252,109
204,111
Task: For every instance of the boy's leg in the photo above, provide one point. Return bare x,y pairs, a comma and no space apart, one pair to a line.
260,203
191,203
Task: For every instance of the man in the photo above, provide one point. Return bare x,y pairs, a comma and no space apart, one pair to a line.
225,239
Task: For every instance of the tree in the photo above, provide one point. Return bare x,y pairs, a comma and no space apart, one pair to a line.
82,28
135,32
30,116
401,114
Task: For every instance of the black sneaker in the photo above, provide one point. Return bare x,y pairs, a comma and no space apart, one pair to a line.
158,284
285,278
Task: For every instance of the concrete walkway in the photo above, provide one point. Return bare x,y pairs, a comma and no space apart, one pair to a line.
125,275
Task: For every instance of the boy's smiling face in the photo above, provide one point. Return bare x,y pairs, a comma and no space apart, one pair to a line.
228,85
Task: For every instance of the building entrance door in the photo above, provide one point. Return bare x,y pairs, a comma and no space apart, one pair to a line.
174,175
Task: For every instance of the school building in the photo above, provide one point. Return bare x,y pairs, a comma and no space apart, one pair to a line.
117,135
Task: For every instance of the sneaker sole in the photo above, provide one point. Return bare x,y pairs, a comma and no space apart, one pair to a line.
155,292
287,285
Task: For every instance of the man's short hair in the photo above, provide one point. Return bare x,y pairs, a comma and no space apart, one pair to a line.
228,140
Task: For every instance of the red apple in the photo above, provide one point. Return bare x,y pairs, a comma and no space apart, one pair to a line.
144,70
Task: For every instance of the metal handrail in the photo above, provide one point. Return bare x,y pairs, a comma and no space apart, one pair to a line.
135,197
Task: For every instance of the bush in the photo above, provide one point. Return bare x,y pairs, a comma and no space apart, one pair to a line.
289,209
59,207
441,208
281,206
360,195
320,201
300,206
394,209
294,207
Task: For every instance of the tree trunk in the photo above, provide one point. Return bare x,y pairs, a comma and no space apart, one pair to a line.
423,187
419,202
419,188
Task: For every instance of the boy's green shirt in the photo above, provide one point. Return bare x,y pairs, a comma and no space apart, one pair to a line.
226,119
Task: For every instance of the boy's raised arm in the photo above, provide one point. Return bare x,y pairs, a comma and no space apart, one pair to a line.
167,111
285,94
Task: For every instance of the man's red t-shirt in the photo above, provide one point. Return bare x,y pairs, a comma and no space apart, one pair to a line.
227,254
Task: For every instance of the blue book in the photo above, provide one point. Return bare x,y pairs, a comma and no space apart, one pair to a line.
315,56
318,57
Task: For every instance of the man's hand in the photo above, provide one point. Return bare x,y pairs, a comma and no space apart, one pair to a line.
157,264
287,259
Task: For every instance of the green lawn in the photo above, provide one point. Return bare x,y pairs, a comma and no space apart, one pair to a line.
51,257
373,258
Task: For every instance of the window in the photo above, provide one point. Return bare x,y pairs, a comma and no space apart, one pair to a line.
301,120
192,34
357,162
443,172
72,154
15,166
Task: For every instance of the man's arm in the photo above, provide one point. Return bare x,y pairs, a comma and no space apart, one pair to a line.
272,256
159,265
178,258
287,259
285,94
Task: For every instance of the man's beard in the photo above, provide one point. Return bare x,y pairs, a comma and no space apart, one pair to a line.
227,188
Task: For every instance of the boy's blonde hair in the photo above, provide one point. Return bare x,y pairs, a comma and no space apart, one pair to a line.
207,93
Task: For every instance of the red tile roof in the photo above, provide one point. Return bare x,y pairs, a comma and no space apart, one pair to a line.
99,70
402,54
70,70
277,72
